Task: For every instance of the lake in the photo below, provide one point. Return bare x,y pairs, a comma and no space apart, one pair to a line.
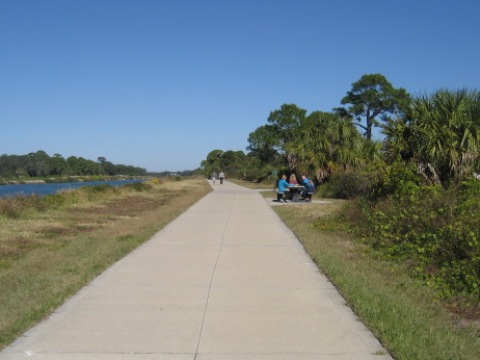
53,188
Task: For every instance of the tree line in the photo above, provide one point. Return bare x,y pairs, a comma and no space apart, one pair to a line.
414,193
439,134
40,164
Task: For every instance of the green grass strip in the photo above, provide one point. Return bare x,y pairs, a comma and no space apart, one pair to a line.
405,316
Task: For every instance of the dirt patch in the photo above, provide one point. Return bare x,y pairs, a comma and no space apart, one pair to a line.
469,314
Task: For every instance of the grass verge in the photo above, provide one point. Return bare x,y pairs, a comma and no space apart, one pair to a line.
51,249
406,317
253,185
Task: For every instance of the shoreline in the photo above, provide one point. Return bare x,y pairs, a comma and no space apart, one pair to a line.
70,179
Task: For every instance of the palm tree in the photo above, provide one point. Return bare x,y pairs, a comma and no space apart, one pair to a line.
328,143
440,132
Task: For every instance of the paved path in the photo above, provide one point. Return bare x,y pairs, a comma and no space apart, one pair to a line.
227,280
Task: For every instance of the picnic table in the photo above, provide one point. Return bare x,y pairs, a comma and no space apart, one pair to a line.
295,192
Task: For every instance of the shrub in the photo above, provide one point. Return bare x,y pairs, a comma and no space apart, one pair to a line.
434,229
344,185
373,182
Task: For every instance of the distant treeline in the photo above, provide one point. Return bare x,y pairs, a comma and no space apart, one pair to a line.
40,164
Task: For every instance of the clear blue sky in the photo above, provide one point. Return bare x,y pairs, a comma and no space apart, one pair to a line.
160,83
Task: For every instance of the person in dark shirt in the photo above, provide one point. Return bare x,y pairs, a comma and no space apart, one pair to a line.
310,189
305,182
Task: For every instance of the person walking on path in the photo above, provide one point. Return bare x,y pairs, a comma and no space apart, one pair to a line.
221,176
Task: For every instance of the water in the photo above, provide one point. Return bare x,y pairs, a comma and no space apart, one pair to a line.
53,188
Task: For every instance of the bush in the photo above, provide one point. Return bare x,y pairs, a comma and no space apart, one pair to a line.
434,229
344,185
372,182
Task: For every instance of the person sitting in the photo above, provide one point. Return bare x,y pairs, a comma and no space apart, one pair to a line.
283,188
310,188
305,180
293,180
304,192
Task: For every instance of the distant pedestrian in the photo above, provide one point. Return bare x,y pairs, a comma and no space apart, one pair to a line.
221,176
213,179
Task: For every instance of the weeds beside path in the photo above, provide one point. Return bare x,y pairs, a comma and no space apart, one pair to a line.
52,247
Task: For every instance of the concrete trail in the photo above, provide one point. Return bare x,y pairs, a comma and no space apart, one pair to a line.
227,280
